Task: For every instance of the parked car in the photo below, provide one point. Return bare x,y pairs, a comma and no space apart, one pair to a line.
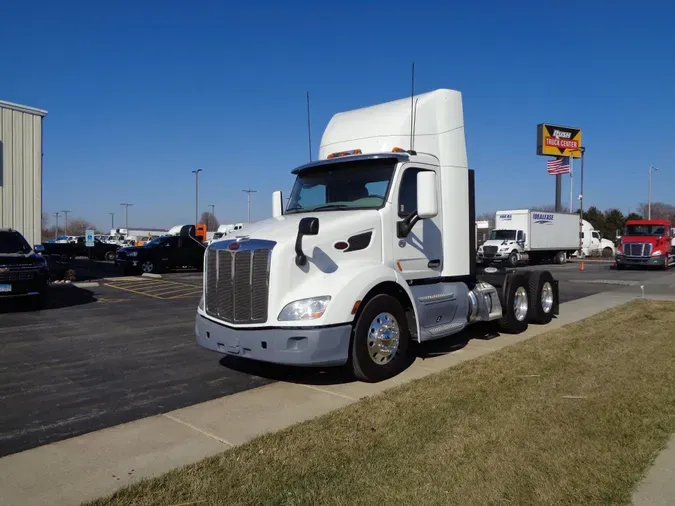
23,271
168,252
100,250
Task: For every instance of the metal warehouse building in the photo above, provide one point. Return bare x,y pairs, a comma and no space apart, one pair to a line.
21,169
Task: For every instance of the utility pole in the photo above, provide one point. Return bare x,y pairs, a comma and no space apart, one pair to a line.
126,215
649,199
196,173
65,226
249,191
112,221
56,230
581,211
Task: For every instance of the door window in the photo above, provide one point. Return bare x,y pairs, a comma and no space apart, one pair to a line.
407,193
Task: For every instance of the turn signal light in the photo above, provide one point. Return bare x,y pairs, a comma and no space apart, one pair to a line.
398,150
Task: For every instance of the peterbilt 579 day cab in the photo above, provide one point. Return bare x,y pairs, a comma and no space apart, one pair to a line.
375,248
647,243
525,236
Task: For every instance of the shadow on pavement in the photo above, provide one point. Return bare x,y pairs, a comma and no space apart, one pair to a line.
338,375
59,297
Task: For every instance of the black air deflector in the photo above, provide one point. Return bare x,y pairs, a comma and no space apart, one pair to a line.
359,241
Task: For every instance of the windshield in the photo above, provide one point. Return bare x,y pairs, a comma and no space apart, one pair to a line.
359,184
655,230
503,235
155,242
13,242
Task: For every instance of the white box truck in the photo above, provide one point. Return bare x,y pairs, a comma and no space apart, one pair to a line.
526,236
375,249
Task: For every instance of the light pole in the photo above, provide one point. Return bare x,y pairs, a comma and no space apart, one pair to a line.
65,226
649,198
112,221
196,173
56,230
249,191
581,211
126,215
213,209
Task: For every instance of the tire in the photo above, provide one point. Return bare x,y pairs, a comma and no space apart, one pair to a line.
620,267
542,297
607,252
41,301
110,256
666,264
511,322
148,267
367,362
512,261
559,258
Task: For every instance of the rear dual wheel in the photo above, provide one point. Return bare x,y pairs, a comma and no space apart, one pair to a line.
515,305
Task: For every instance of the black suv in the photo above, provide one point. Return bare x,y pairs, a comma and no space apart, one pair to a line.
168,252
23,271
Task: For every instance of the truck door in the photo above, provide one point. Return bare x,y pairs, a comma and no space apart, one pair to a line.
595,242
420,254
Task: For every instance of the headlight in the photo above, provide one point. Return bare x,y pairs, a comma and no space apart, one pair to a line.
305,309
657,253
132,254
201,303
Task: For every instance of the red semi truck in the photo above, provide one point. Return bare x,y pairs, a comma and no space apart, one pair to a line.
646,242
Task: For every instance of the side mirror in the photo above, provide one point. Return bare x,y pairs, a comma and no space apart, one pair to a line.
39,248
307,226
277,204
427,200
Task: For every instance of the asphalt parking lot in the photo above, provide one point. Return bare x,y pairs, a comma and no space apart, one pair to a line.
124,350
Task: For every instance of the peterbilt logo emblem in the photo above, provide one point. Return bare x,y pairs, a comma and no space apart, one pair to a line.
233,246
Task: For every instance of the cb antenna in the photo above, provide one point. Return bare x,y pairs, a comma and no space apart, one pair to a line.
412,106
309,129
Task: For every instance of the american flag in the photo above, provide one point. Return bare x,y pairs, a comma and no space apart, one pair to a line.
559,165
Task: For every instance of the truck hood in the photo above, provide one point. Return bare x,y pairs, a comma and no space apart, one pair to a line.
9,259
498,242
285,228
639,238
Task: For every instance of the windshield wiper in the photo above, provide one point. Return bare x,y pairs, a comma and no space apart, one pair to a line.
331,206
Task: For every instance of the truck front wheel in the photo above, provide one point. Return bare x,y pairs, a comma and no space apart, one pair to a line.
380,340
512,261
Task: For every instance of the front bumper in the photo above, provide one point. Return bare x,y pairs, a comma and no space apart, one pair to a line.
658,261
314,346
26,287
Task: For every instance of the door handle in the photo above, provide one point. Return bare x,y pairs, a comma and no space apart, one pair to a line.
434,264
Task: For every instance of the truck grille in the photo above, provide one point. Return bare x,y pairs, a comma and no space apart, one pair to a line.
21,274
489,251
637,249
237,285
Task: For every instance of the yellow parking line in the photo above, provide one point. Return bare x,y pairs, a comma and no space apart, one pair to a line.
176,291
185,296
134,291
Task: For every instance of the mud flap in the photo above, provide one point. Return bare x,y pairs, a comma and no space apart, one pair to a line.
556,300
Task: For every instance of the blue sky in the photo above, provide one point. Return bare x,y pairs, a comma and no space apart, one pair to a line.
140,93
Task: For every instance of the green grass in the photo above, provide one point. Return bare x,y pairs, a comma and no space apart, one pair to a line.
574,416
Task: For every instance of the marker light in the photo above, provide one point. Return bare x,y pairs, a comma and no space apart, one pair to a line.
398,150
344,153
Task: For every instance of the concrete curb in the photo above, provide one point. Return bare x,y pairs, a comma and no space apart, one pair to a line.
150,275
86,284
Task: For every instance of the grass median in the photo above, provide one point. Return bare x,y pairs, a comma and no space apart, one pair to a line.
574,416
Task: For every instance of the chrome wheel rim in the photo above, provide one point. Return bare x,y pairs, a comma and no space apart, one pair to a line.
520,305
384,336
147,266
546,297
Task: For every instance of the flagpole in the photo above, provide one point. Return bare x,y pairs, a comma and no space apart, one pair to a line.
571,182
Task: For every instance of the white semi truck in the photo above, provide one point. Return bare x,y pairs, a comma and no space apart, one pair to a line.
524,236
375,249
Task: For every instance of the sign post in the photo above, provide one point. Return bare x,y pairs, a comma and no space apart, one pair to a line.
89,239
559,141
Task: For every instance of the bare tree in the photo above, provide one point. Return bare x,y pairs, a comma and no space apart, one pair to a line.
210,220
660,211
79,226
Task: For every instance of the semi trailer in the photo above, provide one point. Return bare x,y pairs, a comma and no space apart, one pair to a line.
375,248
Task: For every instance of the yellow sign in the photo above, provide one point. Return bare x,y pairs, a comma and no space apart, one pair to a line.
554,140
